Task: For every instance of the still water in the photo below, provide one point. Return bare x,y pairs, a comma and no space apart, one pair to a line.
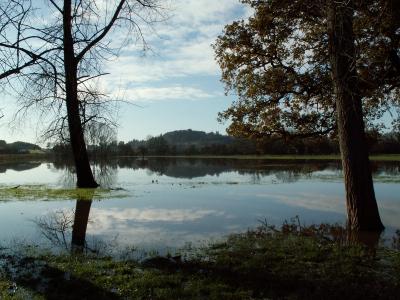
168,203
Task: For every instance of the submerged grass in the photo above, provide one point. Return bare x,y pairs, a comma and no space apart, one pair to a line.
264,263
43,192
7,158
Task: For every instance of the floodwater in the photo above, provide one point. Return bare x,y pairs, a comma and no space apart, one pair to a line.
166,204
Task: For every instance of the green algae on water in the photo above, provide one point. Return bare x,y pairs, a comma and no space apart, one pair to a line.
43,192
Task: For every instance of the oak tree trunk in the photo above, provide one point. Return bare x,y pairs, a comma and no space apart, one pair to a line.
83,171
362,209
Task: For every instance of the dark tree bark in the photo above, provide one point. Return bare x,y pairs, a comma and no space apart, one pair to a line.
84,173
82,211
362,209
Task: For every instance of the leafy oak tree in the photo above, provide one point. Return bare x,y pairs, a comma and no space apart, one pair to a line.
304,68
52,53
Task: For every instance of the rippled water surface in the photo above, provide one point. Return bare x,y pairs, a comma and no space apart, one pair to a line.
167,203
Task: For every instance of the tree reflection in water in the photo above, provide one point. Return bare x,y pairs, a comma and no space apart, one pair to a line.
104,172
284,171
56,226
66,229
82,210
61,226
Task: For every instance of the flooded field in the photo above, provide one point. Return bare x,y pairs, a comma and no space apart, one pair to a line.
166,204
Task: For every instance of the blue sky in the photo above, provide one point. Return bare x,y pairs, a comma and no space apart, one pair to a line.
174,86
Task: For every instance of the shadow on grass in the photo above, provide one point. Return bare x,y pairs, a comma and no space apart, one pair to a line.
292,262
41,280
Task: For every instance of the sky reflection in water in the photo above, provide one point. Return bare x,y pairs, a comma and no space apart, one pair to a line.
171,202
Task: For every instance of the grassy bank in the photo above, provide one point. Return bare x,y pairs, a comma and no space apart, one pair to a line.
6,158
380,157
265,263
44,156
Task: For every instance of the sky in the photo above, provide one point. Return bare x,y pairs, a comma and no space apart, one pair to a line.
176,85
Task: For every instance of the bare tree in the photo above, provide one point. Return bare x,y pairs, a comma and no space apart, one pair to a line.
55,65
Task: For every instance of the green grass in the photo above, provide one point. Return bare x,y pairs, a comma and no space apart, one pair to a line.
6,158
386,157
265,263
43,192
7,292
376,157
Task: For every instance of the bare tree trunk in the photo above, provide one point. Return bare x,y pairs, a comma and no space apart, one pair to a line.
362,209
82,211
83,171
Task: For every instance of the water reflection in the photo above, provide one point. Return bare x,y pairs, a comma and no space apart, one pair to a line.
66,229
18,166
104,173
190,168
170,202
55,227
60,225
82,210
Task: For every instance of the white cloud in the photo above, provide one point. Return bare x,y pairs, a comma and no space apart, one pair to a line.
140,226
146,94
182,49
312,201
106,218
181,52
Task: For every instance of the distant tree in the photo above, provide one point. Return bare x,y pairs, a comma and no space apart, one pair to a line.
191,150
173,150
55,64
143,150
387,143
305,68
157,145
124,148
61,149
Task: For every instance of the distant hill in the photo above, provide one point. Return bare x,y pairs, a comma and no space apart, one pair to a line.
18,147
189,142
197,138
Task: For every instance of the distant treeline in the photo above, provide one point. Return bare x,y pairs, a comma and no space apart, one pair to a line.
191,142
